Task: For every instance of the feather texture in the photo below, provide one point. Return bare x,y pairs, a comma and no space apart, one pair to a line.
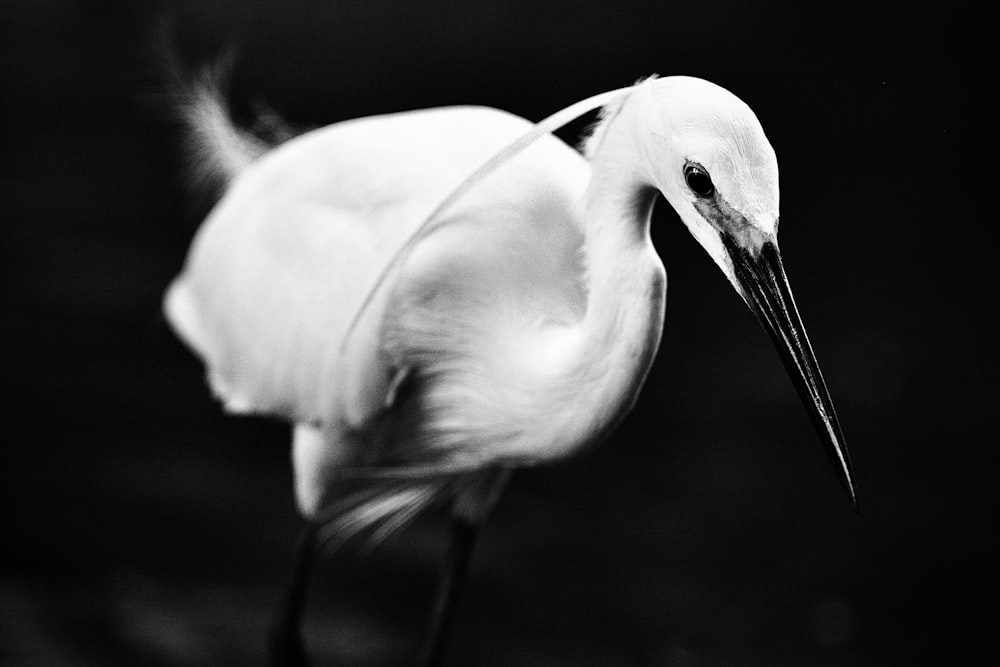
511,325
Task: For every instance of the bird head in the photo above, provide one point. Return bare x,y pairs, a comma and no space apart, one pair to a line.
707,153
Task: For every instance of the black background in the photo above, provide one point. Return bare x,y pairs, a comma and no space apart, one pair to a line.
142,526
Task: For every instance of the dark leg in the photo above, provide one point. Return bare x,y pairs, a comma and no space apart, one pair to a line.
464,534
286,643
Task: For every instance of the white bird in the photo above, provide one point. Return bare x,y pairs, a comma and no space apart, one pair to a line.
427,331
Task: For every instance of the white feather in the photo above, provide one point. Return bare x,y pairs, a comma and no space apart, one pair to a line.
517,328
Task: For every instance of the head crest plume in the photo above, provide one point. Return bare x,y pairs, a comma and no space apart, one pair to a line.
542,128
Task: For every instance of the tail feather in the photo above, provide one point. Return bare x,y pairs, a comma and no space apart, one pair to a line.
218,149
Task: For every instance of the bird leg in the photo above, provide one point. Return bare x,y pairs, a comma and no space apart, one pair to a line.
464,535
286,642
469,511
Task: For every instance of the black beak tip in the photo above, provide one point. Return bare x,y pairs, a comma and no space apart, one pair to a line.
841,460
852,492
765,288
854,502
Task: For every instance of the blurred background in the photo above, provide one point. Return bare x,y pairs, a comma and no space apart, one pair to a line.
145,527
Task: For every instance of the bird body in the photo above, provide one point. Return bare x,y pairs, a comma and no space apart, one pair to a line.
479,352
428,323
520,326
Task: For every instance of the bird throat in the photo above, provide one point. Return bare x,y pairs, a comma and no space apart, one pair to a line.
626,286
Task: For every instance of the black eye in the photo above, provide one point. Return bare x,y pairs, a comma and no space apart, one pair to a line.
698,180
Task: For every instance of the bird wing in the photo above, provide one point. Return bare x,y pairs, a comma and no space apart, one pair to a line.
283,264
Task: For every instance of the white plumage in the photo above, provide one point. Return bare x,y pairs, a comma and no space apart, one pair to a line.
518,328
429,323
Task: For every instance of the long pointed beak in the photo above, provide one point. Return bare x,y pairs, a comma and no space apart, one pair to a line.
765,289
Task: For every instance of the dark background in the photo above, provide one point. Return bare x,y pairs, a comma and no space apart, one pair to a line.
141,526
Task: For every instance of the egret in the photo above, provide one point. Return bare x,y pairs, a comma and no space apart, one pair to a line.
434,298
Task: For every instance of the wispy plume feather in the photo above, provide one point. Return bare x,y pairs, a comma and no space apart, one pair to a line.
380,510
218,149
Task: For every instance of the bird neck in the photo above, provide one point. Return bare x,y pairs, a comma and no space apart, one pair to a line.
618,254
625,280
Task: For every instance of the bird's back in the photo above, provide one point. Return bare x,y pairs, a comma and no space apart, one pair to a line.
281,267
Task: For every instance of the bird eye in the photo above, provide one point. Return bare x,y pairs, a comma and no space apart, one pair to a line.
698,180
